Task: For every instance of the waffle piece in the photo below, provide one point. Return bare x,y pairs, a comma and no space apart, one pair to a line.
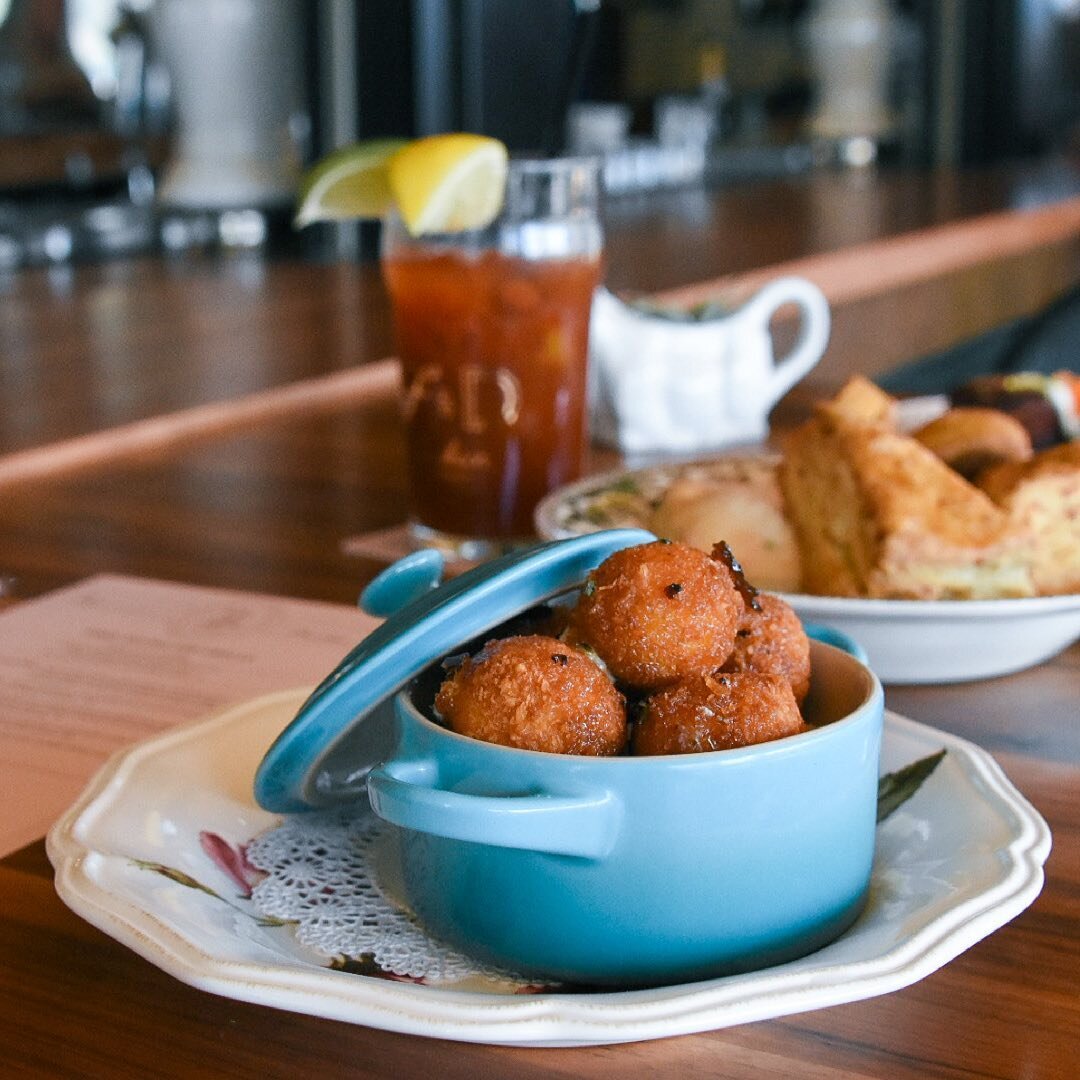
877,514
1042,499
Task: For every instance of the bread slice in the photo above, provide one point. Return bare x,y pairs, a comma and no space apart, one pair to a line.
1042,499
860,403
877,514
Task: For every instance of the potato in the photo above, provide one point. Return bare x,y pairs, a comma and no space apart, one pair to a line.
744,508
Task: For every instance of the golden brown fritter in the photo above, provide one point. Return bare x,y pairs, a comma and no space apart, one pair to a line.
717,712
657,612
772,641
535,693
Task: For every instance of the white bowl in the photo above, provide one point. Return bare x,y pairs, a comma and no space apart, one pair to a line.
944,641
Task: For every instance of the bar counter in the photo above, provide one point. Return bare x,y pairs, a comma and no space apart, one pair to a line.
233,422
912,263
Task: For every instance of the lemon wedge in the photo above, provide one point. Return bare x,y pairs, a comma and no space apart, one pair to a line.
448,183
349,183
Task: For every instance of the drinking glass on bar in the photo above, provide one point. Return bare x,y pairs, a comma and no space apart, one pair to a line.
492,331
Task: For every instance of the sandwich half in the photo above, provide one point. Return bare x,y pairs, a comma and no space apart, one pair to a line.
877,514
1042,500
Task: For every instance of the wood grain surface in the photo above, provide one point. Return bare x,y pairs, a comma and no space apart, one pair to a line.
267,502
266,508
75,1003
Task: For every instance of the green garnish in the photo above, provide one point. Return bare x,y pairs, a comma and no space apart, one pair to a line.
894,789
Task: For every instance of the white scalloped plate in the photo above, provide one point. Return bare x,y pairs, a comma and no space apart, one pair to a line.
960,859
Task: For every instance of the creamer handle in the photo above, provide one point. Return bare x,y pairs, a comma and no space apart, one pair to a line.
813,332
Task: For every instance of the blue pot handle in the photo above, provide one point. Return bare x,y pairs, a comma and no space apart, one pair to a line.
829,635
585,825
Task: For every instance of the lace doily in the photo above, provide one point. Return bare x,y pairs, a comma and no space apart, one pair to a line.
321,875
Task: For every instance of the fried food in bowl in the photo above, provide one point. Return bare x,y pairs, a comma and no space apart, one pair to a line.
717,712
633,870
658,612
771,641
535,693
589,864
726,666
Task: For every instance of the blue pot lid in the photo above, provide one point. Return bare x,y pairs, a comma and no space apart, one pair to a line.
324,755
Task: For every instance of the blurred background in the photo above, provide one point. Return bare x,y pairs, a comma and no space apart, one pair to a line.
133,125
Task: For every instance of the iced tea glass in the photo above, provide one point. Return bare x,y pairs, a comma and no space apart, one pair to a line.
492,330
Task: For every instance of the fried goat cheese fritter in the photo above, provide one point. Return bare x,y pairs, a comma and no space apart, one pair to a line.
771,641
535,693
658,612
717,712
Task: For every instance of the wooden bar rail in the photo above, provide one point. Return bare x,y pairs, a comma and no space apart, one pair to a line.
882,267
892,300
339,389
912,263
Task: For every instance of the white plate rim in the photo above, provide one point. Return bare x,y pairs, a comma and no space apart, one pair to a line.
547,1019
543,515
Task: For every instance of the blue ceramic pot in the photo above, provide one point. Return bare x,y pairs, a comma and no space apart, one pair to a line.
631,871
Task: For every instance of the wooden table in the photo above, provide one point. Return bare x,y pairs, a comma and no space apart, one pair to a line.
264,504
